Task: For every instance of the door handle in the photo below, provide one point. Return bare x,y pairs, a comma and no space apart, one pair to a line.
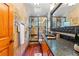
11,41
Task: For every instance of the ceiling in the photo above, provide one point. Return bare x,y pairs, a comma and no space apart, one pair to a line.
38,10
43,9
63,10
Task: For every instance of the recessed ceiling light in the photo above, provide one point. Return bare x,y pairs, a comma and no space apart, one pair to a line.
36,3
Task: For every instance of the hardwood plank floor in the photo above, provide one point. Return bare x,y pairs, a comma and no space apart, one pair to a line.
32,49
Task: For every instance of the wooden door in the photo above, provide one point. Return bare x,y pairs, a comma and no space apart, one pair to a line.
5,30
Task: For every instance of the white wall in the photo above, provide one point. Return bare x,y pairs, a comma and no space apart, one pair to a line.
22,12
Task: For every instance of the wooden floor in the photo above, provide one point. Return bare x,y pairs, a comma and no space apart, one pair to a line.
32,49
38,48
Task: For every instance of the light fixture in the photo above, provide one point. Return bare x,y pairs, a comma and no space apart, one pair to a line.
36,3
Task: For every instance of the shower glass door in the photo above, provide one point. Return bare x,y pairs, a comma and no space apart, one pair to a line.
37,27
34,28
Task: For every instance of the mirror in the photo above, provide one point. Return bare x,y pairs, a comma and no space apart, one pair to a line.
65,16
